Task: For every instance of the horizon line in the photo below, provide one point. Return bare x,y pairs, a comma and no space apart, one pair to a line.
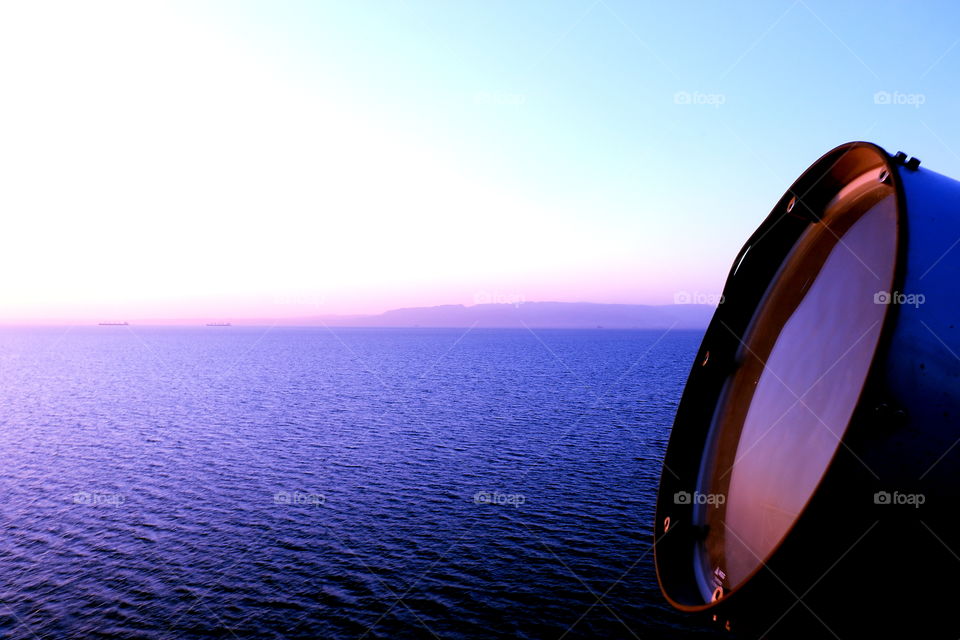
329,319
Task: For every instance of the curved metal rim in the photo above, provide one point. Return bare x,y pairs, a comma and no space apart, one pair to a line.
816,170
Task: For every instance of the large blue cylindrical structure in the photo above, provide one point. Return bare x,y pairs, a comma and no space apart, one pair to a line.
811,481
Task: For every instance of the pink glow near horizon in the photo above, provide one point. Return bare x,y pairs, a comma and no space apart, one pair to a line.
303,304
268,194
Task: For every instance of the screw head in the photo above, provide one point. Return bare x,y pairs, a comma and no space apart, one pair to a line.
791,204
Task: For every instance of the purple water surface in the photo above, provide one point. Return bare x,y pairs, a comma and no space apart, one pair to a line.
220,482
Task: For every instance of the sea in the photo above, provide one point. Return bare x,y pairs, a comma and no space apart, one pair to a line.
322,482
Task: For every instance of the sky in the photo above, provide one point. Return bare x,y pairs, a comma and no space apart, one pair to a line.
231,159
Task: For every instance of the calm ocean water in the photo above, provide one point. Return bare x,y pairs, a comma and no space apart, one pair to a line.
309,483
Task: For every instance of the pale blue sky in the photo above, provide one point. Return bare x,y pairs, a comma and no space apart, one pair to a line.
367,155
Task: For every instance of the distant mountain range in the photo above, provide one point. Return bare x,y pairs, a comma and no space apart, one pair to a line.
542,315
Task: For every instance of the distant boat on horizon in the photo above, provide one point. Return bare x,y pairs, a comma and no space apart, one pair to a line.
219,324
114,324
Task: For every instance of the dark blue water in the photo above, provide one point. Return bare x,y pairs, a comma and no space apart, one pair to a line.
305,483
